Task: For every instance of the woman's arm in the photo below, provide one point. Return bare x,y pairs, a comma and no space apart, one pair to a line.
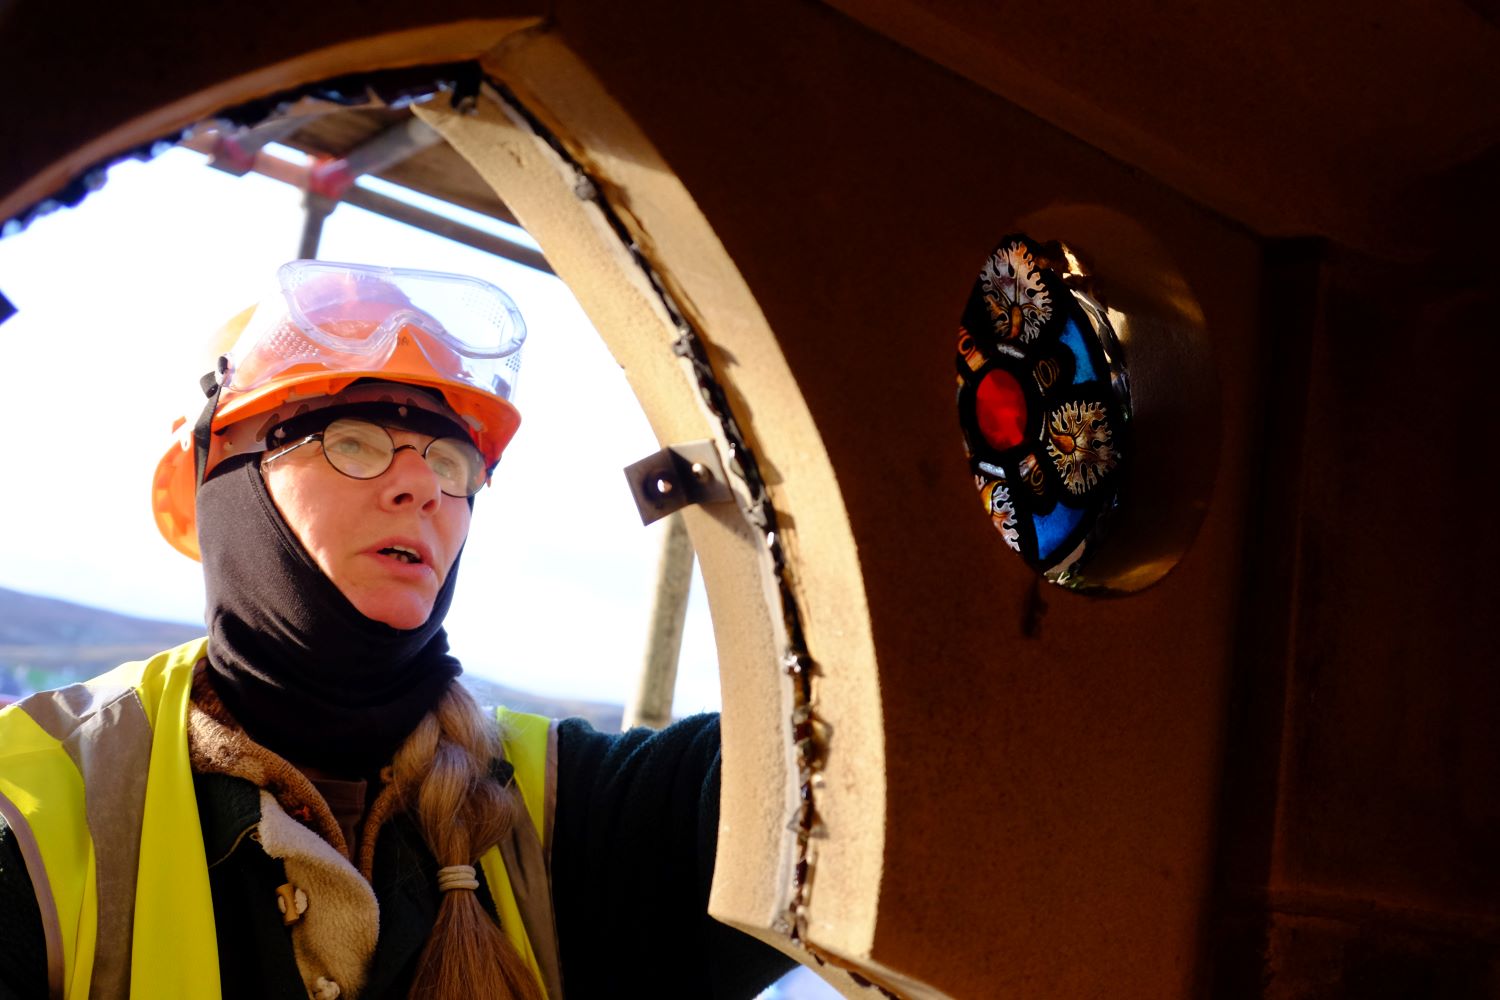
632,860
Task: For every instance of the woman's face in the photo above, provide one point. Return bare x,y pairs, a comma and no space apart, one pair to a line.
365,533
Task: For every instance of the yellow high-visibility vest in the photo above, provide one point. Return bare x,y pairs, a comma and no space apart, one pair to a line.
96,788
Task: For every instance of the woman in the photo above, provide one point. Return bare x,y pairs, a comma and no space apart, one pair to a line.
308,803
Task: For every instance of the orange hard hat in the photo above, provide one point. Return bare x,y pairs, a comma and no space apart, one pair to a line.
328,327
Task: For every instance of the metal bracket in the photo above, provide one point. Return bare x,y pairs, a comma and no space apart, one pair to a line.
676,476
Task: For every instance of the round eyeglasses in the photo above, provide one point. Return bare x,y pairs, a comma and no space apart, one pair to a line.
361,449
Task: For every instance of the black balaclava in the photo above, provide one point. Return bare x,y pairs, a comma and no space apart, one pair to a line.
303,671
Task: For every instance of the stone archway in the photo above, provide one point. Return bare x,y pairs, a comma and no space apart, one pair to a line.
800,865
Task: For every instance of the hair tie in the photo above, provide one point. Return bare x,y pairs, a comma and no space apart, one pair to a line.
457,877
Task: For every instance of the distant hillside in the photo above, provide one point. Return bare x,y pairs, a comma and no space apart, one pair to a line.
46,643
30,620
604,717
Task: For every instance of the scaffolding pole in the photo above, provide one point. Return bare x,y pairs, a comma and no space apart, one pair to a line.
652,704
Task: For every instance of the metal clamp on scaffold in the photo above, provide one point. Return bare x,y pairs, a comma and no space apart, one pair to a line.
676,476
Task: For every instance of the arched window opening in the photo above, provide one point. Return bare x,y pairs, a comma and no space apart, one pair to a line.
116,307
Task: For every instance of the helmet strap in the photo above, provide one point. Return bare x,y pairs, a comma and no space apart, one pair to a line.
210,383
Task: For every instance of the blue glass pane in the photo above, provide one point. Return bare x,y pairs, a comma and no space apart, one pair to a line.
1052,529
1072,339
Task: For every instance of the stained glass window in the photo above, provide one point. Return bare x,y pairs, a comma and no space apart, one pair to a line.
1044,405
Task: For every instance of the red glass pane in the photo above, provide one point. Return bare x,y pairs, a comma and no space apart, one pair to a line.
1000,407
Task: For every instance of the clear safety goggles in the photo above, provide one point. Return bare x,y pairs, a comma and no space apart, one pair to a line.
363,449
339,318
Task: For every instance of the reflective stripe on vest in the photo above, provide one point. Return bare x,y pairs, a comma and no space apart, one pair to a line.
526,740
123,737
127,853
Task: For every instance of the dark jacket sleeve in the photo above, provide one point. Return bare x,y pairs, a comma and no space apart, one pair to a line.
23,948
634,838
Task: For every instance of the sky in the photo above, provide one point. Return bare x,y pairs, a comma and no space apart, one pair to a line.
118,300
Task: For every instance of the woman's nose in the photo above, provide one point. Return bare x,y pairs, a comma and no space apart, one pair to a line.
410,480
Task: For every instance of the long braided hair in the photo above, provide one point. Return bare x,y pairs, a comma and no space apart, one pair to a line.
442,775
